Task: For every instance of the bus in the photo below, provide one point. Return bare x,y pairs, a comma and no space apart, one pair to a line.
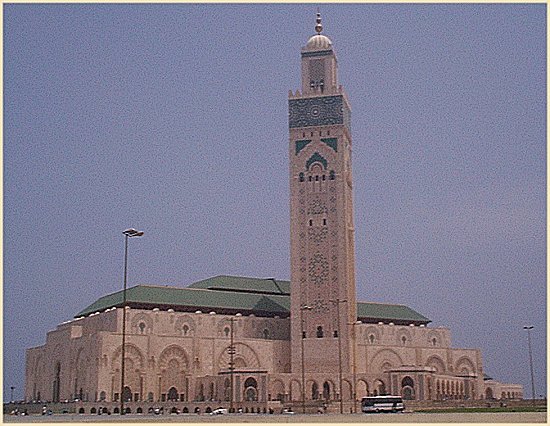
380,404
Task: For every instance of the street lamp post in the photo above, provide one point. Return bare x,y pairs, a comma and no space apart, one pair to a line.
129,233
232,352
337,303
12,388
353,324
302,309
529,328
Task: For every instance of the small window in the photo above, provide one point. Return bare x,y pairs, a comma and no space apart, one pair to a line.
332,175
335,333
317,178
323,177
434,341
320,331
226,331
303,134
310,178
301,177
311,134
310,222
404,340
150,397
141,327
115,396
371,338
266,334
324,222
185,329
303,334
328,132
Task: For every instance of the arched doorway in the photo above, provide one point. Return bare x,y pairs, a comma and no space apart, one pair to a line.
362,389
127,394
407,388
251,389
172,394
326,391
314,391
489,393
379,387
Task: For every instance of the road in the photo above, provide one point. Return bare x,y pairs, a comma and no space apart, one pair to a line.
509,417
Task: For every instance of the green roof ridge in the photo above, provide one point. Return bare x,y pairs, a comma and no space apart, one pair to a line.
226,293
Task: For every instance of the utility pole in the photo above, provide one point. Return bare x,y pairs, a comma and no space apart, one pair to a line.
337,303
529,328
232,352
302,309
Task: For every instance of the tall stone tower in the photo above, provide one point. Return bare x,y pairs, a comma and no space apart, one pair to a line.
323,303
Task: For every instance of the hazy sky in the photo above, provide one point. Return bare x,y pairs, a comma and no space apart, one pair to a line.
173,119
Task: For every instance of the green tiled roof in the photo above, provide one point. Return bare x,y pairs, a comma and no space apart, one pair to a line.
195,299
227,294
383,311
244,284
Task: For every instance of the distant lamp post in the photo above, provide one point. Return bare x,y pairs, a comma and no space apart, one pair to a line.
337,303
354,324
232,352
529,328
302,309
12,388
129,233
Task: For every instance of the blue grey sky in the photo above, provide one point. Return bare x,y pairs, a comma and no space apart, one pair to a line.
173,119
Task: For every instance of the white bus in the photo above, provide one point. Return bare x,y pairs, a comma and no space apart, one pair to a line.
380,404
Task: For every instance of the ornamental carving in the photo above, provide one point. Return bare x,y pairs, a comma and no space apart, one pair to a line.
319,305
318,269
317,235
316,206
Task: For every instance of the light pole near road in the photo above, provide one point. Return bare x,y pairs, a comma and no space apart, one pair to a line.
353,324
12,388
302,309
529,328
232,352
129,233
337,303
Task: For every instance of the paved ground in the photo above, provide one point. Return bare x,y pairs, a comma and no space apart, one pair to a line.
530,417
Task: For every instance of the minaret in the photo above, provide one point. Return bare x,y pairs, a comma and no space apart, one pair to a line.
321,216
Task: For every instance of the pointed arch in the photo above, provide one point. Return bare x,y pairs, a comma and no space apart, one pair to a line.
384,357
464,365
243,352
316,158
362,389
173,352
185,325
131,352
437,363
141,323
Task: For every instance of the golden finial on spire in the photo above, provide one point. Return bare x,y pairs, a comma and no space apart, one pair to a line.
319,26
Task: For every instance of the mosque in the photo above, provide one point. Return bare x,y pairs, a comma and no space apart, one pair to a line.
257,344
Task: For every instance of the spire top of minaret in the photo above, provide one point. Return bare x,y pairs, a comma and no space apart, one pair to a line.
319,26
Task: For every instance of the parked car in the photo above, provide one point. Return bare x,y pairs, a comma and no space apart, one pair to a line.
219,411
